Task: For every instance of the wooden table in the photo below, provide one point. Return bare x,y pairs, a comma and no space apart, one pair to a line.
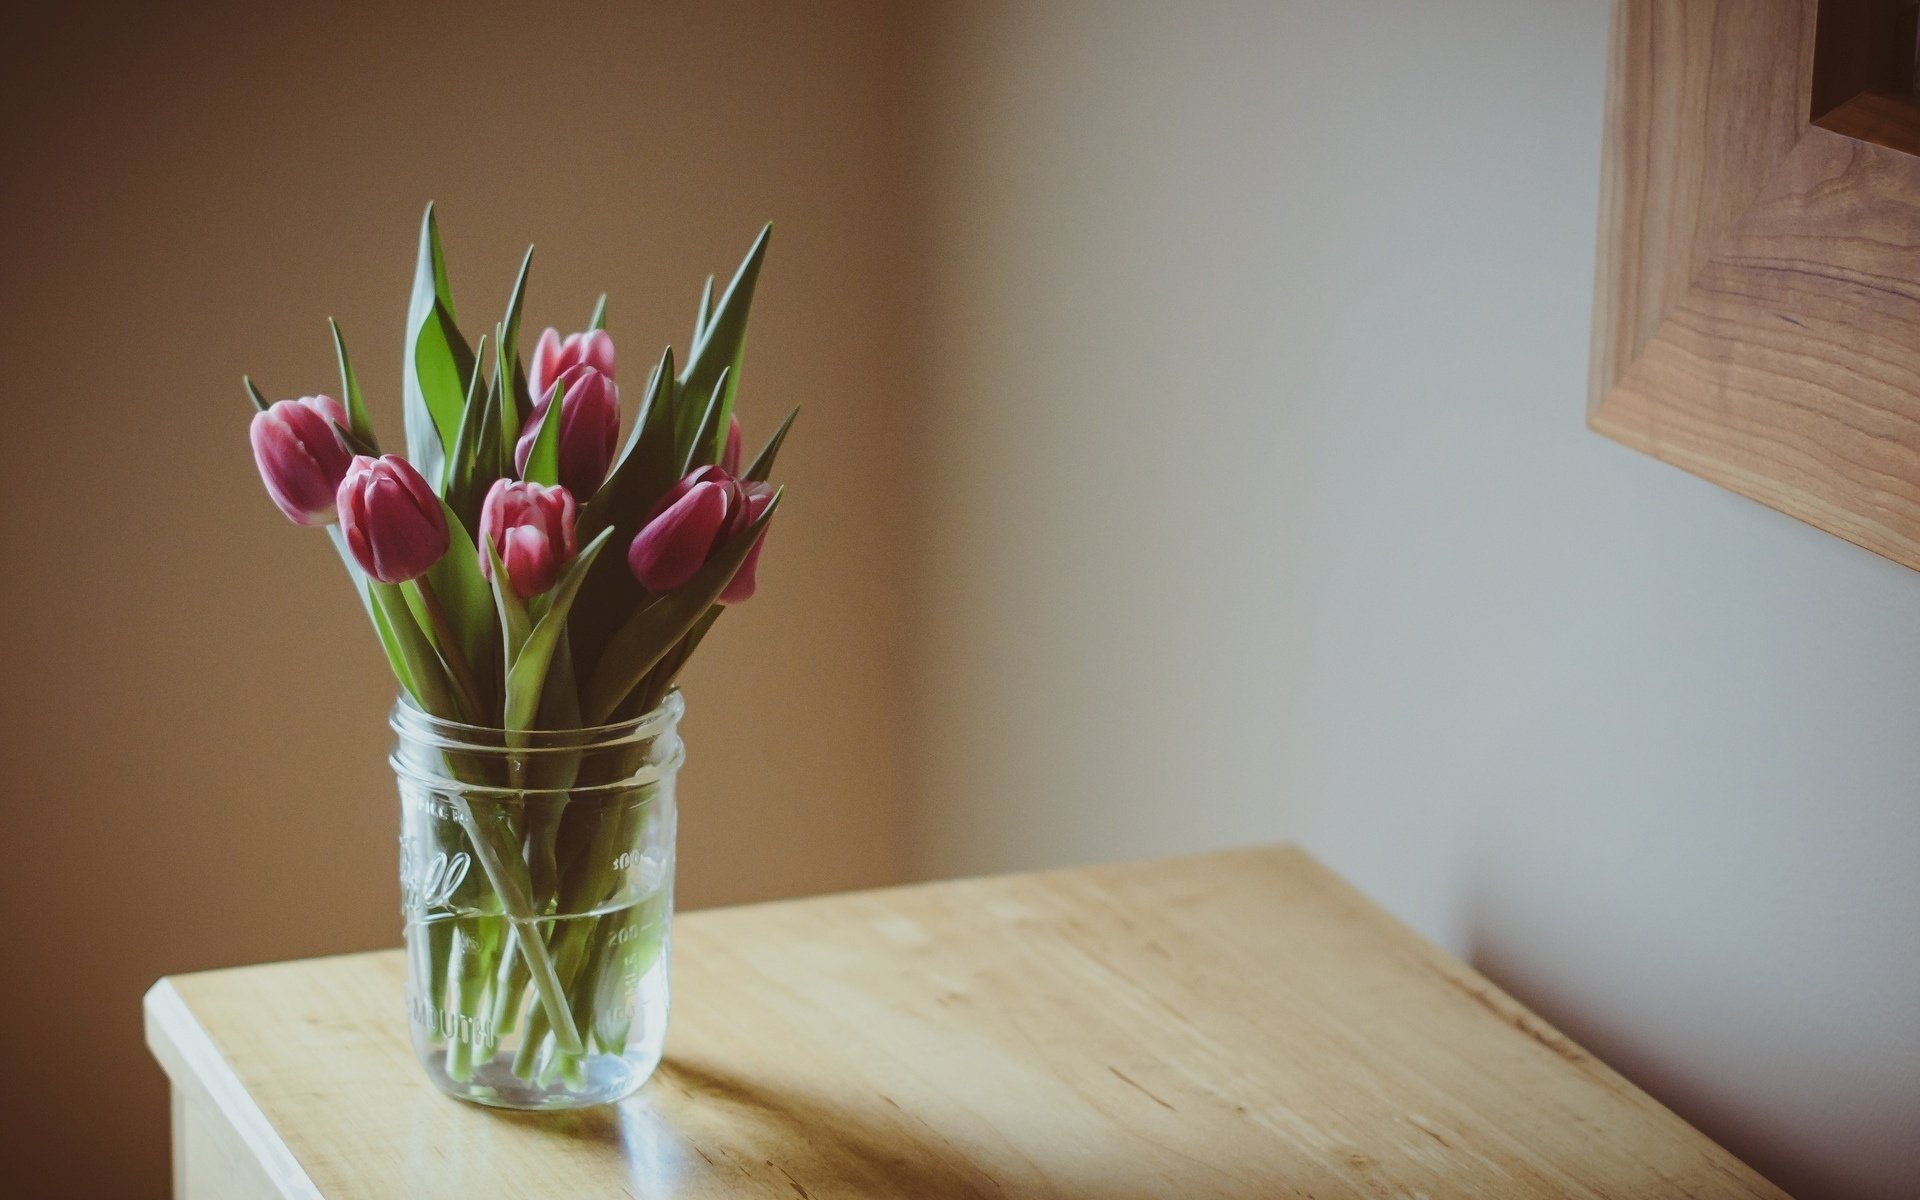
1239,1024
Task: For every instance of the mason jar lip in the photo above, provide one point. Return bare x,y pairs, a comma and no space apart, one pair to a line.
409,720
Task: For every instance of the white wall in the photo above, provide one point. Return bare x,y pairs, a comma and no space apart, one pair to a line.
1262,509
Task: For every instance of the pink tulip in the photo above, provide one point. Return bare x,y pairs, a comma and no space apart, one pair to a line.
702,513
552,358
531,528
741,587
391,518
301,459
730,457
589,428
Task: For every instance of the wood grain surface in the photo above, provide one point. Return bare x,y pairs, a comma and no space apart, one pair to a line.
1229,1025
1757,297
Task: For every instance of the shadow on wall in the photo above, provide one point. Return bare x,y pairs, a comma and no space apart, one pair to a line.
1707,1006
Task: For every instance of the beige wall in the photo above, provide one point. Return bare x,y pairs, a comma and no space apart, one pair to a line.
193,707
1263,510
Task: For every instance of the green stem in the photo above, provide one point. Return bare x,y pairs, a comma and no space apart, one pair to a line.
526,1058
518,907
509,984
459,1060
449,645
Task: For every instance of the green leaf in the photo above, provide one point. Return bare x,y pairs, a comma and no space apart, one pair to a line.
253,394
458,484
396,657
528,678
415,649
507,383
442,290
644,473
381,628
762,466
467,599
487,466
649,449
653,689
560,699
521,397
723,340
432,391
509,338
651,633
353,444
357,419
443,367
703,314
599,318
515,624
543,461
354,571
700,450
510,379
648,465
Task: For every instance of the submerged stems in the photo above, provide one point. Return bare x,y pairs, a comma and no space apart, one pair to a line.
518,905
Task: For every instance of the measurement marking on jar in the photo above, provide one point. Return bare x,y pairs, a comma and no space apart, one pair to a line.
445,1025
626,860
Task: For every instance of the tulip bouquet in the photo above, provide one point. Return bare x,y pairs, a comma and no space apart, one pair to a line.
482,558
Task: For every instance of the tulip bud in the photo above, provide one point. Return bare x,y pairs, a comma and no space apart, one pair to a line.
532,530
671,546
589,428
741,587
730,457
301,458
391,518
552,358
702,513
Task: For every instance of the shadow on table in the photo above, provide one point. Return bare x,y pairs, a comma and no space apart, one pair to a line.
695,1126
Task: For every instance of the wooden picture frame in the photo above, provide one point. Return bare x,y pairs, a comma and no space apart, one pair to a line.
1757,298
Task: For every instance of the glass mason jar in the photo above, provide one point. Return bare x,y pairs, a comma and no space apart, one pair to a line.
536,877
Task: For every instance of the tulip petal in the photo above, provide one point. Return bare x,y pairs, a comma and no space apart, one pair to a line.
730,456
393,521
588,432
530,562
669,549
300,457
546,365
532,529
741,587
595,349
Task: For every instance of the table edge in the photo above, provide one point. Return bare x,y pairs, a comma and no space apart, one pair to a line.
195,1067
